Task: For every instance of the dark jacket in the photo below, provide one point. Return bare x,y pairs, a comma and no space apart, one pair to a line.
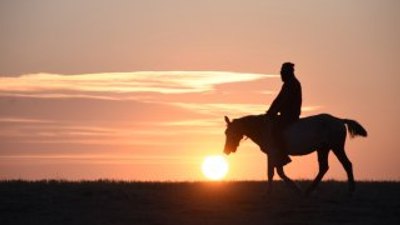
288,101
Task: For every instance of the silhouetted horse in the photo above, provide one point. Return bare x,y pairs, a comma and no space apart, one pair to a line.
321,133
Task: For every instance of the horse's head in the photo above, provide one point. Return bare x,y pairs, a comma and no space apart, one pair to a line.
233,136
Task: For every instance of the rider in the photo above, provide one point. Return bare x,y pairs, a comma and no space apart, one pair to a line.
285,110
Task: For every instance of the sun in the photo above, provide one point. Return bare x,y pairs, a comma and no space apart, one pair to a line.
215,167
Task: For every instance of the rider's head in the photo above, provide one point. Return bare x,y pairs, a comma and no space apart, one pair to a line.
287,71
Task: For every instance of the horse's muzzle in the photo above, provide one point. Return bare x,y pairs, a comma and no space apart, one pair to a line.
229,149
227,152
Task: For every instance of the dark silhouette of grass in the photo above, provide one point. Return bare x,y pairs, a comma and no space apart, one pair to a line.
116,202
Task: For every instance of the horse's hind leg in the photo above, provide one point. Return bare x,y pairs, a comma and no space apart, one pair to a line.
323,168
341,155
287,180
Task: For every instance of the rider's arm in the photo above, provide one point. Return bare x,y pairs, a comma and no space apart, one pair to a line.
278,102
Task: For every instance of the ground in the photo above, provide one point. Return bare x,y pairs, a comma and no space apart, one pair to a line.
114,202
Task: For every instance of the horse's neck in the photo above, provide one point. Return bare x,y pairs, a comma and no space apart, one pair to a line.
255,131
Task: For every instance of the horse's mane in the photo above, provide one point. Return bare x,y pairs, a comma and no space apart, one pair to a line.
249,122
250,119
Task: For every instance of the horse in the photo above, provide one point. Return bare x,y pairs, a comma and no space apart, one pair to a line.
322,133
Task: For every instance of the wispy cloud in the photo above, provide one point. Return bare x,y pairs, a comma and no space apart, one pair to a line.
139,133
130,82
107,158
151,111
220,109
22,120
191,123
55,95
233,109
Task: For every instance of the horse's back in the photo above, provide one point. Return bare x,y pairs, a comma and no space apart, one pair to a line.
312,123
307,134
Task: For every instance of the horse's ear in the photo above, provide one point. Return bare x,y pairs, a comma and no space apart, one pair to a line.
227,120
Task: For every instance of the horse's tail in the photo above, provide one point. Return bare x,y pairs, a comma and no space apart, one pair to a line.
354,128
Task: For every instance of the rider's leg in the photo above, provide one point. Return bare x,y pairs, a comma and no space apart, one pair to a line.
281,156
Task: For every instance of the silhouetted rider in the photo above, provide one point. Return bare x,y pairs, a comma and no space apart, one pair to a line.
285,110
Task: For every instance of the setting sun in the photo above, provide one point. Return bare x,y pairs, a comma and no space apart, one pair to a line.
215,167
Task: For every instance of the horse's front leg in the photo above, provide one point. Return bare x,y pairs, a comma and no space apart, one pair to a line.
270,173
287,180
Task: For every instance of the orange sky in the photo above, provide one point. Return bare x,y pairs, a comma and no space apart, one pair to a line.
138,90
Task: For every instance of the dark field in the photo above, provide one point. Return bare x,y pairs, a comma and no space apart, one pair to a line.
109,202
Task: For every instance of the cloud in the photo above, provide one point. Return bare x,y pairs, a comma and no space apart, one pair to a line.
168,82
22,120
151,111
233,109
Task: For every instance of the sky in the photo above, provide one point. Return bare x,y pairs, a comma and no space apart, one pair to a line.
137,90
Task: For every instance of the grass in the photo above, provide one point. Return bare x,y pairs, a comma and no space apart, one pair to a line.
117,202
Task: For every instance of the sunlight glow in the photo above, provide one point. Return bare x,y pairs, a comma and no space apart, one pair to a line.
215,167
